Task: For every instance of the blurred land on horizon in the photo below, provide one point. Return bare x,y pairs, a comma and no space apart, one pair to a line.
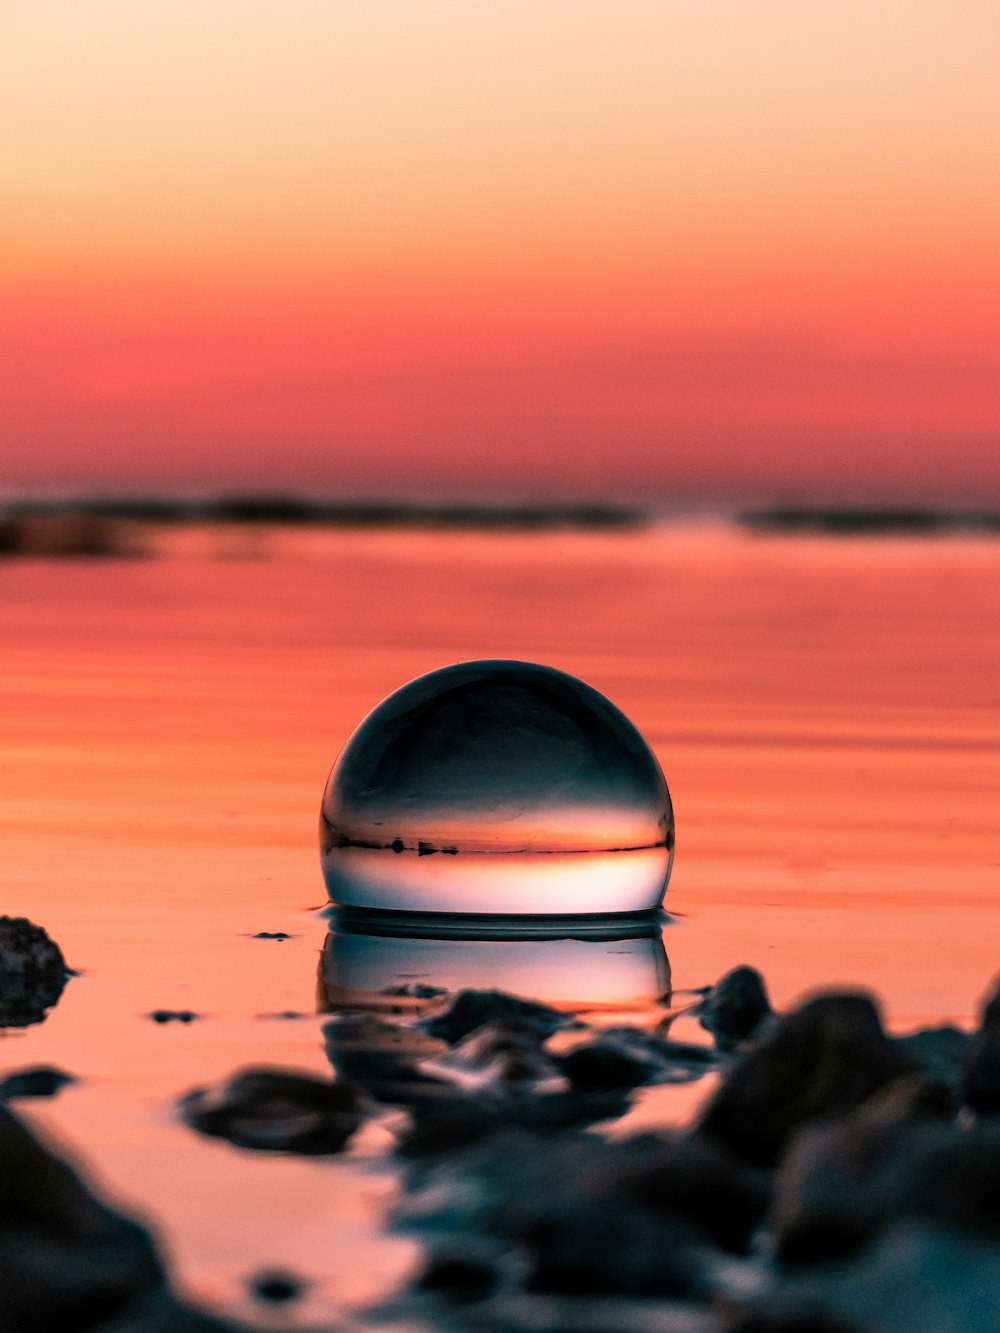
89,526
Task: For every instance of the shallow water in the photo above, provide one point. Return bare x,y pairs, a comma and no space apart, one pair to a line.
826,713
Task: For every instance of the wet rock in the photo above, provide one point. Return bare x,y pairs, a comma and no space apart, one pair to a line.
683,1175
628,1057
33,972
444,1131
735,1008
275,1286
579,1215
272,935
917,1279
173,1016
940,1053
66,1260
605,1065
71,1264
462,1271
500,1060
536,1312
35,1081
276,1111
383,1058
981,1075
840,1184
471,1009
817,1062
806,1319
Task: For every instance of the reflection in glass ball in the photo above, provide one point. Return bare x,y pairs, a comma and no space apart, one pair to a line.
497,788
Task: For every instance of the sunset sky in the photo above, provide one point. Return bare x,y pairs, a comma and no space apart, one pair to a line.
693,250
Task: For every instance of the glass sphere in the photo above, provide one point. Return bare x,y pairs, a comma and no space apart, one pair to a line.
497,788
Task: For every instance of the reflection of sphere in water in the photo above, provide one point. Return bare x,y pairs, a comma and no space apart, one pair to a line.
497,788
579,966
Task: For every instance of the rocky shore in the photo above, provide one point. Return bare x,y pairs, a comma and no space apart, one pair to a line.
834,1178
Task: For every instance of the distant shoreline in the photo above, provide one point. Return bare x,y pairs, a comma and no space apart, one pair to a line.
115,526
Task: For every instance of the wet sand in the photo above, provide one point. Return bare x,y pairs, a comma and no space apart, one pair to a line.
826,713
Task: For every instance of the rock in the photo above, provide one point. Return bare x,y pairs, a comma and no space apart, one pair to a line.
66,1260
605,1065
461,1271
35,1081
687,1176
940,1053
173,1016
917,1279
735,1008
981,1075
383,1058
274,1110
628,1057
804,1320
817,1062
446,1131
503,1059
471,1009
33,972
279,935
275,1286
576,1214
840,1184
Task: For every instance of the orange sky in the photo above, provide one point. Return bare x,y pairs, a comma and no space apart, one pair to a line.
583,247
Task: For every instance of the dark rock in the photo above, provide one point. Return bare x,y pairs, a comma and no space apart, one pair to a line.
806,1319
460,1273
581,1215
275,1286
500,1060
939,1053
173,1016
917,1279
36,1081
686,1176
446,1131
276,1111
272,935
841,1183
383,1058
66,1260
604,1065
500,1074
981,1075
817,1062
735,1008
628,1057
471,1009
33,972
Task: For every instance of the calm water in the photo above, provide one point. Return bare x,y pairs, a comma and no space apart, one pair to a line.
827,715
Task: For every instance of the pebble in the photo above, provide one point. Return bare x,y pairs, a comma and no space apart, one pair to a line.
34,1081
735,1008
33,972
471,1009
276,1110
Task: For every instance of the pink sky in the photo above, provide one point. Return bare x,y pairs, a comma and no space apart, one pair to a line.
627,248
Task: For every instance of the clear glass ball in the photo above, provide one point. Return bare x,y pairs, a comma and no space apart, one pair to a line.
497,788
